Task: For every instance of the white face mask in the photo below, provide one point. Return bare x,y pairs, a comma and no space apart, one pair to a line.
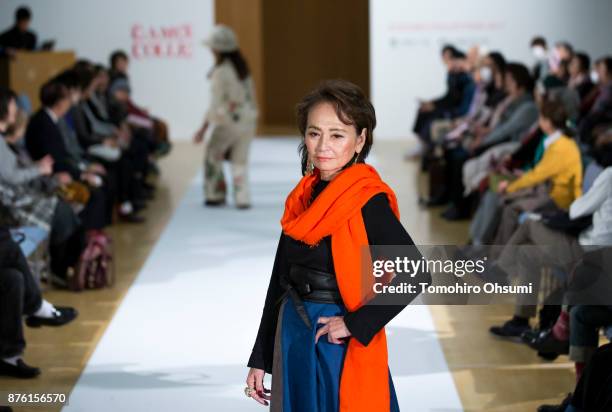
538,52
594,76
486,74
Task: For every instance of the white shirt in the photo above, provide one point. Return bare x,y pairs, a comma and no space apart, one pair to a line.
552,138
597,201
51,114
232,99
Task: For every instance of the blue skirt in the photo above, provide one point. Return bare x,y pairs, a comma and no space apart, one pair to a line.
310,374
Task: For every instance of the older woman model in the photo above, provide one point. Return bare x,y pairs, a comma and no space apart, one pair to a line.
325,349
233,114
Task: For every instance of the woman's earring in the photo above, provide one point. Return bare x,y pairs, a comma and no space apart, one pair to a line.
310,167
355,159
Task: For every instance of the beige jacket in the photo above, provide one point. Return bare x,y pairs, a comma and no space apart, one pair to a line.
232,100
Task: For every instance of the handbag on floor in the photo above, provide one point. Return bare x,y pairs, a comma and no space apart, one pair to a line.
96,267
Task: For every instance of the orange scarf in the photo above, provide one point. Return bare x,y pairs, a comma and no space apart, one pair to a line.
364,384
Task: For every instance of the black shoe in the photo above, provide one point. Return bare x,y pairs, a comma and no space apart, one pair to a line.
214,203
548,356
529,336
513,328
63,316
131,218
243,207
546,342
557,408
20,371
435,201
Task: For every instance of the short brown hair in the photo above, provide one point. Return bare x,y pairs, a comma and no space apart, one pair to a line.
554,111
352,107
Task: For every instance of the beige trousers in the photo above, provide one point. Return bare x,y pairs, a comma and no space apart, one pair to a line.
234,143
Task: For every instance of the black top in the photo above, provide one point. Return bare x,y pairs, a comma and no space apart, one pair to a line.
382,228
456,82
14,38
43,137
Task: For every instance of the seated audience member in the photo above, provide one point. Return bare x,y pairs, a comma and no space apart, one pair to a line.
81,147
512,118
554,182
580,75
98,98
92,132
484,169
66,124
601,111
493,74
553,89
30,199
556,248
138,117
20,296
44,137
564,51
19,37
517,116
560,59
489,77
482,75
129,171
539,50
454,103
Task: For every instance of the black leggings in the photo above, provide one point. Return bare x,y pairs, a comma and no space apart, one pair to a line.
19,295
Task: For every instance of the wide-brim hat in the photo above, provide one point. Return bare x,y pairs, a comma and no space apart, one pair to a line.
222,39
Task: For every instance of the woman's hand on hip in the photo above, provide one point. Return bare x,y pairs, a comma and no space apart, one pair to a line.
334,327
255,380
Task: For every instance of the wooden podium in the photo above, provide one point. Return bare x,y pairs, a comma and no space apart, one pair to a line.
27,71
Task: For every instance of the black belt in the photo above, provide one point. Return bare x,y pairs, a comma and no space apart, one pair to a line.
302,283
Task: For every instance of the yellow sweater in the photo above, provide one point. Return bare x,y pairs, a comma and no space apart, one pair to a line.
561,165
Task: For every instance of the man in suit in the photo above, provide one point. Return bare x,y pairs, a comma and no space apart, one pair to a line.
18,37
43,136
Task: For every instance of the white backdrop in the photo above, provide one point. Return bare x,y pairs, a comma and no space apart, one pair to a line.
406,36
168,64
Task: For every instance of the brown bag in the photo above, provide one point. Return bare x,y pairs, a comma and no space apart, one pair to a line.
74,192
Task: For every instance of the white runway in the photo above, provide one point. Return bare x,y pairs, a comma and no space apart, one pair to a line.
183,334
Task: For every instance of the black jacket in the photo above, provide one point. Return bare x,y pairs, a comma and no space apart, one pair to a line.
43,137
15,39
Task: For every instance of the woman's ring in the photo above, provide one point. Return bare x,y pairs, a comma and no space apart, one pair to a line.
248,391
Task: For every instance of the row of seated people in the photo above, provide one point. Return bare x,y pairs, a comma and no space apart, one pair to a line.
527,156
79,164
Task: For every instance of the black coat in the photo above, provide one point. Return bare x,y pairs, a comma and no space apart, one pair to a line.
43,137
